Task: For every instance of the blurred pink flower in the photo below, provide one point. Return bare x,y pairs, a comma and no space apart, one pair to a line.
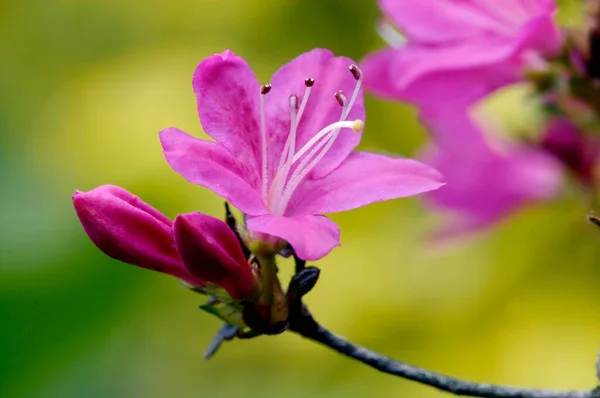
486,179
459,50
196,249
284,159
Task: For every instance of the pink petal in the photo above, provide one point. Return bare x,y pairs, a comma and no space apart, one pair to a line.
434,21
312,237
331,74
362,179
211,165
211,251
428,75
381,75
461,51
451,21
127,229
228,96
541,35
491,179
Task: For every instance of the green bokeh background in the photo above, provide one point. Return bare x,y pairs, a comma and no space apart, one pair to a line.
84,88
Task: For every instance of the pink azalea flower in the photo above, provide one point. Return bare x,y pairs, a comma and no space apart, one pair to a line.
486,179
284,152
459,50
196,249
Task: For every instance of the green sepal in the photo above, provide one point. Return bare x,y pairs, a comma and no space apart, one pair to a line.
212,290
230,313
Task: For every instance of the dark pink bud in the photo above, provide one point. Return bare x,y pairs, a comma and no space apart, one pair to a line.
579,152
210,251
127,229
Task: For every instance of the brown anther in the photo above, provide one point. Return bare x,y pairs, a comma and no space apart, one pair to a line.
294,102
340,97
309,81
265,88
355,71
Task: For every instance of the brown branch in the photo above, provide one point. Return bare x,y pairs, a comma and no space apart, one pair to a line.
303,323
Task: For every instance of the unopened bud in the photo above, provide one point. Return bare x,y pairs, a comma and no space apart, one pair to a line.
303,282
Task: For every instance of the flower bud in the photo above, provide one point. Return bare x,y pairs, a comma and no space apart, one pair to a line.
127,229
211,251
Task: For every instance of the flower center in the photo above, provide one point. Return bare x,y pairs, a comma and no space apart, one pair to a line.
294,165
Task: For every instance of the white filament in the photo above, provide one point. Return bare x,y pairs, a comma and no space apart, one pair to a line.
310,154
263,138
287,154
319,135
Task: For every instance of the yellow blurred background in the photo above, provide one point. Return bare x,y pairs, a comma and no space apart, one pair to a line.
84,88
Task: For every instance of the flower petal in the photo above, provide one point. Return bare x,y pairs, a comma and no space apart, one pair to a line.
211,165
461,51
542,35
362,179
211,251
490,180
331,74
432,75
127,229
450,21
227,94
312,237
434,21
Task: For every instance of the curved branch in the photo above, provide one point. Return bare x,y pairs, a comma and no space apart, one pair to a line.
303,323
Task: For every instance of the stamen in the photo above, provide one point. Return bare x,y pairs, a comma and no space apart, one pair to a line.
294,102
288,149
286,159
323,133
308,82
264,90
341,98
286,153
301,172
315,149
355,72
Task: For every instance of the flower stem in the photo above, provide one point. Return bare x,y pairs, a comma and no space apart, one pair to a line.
268,274
302,322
